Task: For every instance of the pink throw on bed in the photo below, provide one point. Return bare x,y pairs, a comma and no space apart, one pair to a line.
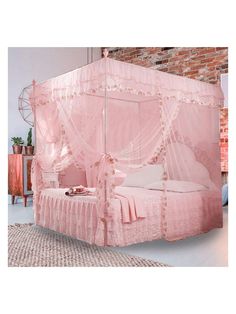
132,208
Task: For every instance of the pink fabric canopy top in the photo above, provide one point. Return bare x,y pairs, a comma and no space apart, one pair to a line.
110,116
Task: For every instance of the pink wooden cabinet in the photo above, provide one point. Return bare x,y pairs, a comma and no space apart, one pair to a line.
19,176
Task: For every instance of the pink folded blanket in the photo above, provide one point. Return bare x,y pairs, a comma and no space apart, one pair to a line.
132,208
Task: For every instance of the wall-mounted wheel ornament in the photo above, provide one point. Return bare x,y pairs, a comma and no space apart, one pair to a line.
24,106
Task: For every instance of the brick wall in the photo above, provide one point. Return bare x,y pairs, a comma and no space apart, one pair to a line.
204,64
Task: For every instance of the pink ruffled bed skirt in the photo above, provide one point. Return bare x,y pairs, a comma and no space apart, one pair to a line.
186,214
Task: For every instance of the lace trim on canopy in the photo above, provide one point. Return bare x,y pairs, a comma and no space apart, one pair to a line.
200,155
117,76
73,159
47,94
105,189
164,175
37,180
165,135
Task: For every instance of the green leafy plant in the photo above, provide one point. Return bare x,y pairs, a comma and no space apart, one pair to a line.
29,137
17,141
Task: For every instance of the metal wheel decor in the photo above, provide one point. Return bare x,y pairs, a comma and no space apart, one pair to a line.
24,106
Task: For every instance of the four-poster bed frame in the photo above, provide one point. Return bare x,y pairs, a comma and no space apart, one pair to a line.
147,126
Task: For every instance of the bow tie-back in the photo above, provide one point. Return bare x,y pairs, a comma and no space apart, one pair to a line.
105,167
105,158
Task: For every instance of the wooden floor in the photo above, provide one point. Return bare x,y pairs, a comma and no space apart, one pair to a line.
210,249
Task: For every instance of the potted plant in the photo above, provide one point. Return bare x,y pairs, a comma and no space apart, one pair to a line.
17,145
29,149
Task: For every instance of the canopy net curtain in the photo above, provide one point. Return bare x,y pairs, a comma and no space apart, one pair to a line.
114,120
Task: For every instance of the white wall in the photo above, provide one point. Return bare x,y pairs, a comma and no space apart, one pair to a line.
26,64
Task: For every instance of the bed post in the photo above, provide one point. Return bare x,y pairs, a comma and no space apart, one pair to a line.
33,164
34,113
105,53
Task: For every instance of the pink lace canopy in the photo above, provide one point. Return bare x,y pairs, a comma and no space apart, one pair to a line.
110,115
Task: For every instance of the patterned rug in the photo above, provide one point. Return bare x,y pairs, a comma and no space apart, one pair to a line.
33,246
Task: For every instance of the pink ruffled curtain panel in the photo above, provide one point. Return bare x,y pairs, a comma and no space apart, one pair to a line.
109,116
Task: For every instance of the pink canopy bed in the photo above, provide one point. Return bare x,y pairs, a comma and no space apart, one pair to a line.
144,143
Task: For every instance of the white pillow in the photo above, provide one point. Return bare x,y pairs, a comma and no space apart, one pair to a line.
144,176
176,186
118,177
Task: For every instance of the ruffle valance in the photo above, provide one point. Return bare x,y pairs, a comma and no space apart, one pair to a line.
118,78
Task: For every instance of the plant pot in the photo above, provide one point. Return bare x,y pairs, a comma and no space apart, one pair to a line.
29,150
17,149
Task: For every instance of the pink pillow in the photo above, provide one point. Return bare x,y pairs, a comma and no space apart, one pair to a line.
72,176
